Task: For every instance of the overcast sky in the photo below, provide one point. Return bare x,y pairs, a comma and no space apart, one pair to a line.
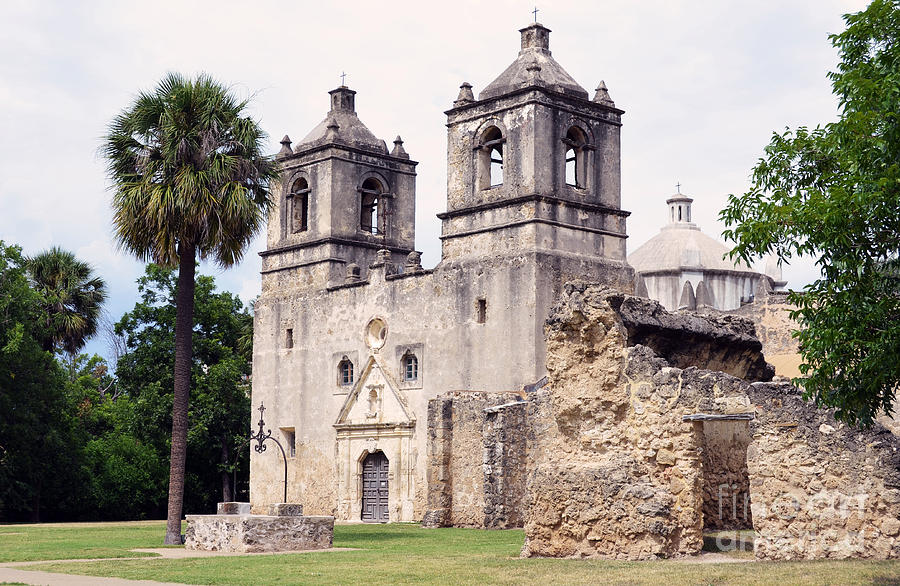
703,85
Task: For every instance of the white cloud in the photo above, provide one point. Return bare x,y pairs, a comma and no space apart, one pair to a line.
703,83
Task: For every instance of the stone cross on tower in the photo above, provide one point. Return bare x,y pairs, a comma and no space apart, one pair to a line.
535,11
678,186
343,75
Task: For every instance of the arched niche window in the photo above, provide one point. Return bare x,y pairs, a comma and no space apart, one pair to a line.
576,157
410,367
298,206
373,210
345,372
490,158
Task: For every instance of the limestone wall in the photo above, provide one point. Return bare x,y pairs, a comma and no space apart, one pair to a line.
818,488
475,472
612,469
619,464
770,314
504,439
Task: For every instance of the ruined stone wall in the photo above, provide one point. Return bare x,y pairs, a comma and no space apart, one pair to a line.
726,481
613,471
615,454
504,439
474,454
770,315
818,488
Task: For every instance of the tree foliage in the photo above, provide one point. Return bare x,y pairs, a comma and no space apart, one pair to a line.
833,193
220,407
72,298
188,169
78,443
38,431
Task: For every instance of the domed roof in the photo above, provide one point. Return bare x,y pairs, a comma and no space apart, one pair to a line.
342,126
534,67
681,245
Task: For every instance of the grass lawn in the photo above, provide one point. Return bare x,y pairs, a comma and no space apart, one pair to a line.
66,541
406,554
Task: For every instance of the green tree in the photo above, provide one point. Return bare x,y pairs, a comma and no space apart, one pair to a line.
39,456
190,180
72,298
123,476
220,404
833,193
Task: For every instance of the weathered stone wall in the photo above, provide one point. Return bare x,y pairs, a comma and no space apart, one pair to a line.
726,481
818,488
612,470
615,453
771,318
474,457
504,438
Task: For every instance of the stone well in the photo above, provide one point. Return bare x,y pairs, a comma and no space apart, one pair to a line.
234,529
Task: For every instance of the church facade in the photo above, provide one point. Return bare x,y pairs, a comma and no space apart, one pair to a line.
353,337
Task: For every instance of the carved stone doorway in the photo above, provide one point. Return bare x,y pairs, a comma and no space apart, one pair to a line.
375,488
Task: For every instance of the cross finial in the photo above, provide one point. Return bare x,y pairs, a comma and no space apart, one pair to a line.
261,409
678,186
535,11
343,75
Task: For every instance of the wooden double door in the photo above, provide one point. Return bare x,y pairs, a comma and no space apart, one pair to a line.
375,488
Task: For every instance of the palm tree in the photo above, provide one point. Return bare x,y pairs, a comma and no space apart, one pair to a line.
72,296
190,180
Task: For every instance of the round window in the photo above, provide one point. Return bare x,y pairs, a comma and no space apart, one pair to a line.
376,332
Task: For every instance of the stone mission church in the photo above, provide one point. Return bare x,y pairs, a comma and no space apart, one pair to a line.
353,337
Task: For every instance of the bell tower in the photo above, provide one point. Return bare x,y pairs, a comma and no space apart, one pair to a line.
341,198
534,163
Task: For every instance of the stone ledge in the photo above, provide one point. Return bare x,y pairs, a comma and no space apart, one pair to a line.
286,510
233,508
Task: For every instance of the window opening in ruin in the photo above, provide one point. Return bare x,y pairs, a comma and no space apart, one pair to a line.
679,213
410,367
345,372
299,206
490,158
576,157
289,338
373,207
481,311
289,441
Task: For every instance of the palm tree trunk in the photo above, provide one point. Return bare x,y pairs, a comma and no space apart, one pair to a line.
184,325
227,489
